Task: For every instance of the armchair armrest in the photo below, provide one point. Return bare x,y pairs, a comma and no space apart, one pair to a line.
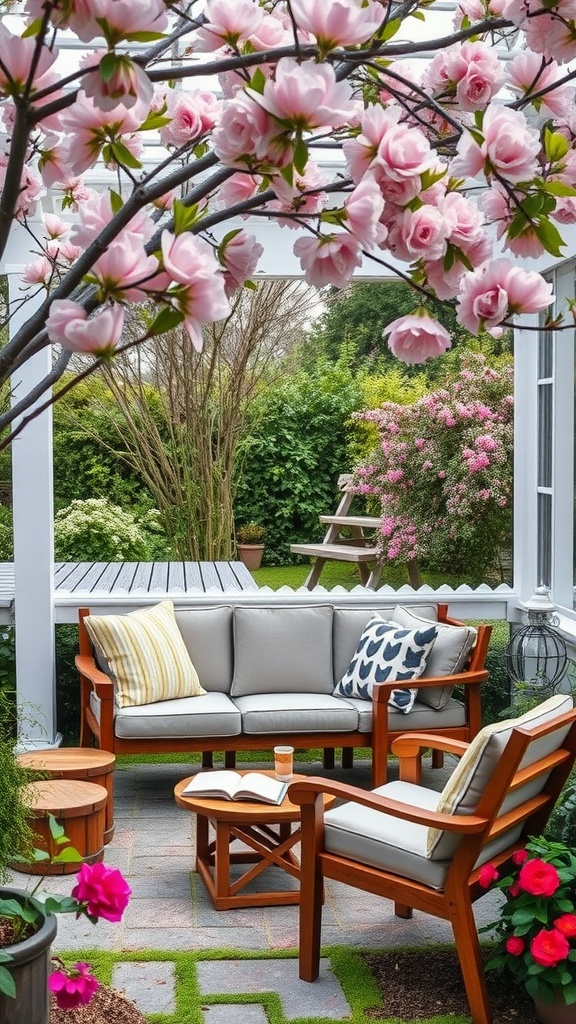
93,680
308,792
408,750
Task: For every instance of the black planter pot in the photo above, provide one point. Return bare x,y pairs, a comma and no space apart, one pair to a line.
30,968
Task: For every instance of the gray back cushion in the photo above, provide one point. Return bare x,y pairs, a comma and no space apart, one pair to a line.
282,650
349,625
207,633
448,656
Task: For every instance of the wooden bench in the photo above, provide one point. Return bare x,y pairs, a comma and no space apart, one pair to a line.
358,547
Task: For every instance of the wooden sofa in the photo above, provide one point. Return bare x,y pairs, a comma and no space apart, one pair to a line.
253,704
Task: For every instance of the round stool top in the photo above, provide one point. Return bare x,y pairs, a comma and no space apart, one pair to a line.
64,798
84,761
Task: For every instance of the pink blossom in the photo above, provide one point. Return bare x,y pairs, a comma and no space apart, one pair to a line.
498,289
103,891
338,23
417,337
121,17
403,152
307,95
510,147
185,257
528,75
303,196
463,220
96,212
69,326
89,128
192,113
364,207
238,188
476,70
420,232
329,259
38,271
231,23
244,132
239,256
127,85
73,986
203,301
124,267
55,226
16,55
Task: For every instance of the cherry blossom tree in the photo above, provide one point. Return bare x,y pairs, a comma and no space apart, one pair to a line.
455,169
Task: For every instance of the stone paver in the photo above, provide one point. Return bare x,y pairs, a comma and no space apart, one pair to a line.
231,1013
151,985
324,998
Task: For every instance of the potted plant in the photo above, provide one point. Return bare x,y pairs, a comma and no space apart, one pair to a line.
250,544
536,929
27,922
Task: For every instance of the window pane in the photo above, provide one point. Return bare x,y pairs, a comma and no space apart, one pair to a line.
545,539
544,435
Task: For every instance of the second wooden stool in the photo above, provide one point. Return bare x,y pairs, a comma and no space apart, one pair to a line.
84,764
80,807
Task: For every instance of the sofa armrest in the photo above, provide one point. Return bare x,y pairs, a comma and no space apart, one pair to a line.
93,680
471,681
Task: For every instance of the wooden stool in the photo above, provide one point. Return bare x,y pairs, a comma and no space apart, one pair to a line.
85,764
80,807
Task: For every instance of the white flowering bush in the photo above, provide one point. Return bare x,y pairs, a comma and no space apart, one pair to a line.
96,530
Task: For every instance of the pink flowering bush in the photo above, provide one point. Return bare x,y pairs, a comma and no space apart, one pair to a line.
537,926
450,169
442,471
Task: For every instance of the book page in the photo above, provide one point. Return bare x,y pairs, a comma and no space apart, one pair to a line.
213,783
262,786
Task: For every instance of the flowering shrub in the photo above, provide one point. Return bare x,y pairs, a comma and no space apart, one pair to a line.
537,926
96,530
442,471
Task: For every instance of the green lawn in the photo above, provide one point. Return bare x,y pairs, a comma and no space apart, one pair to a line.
344,574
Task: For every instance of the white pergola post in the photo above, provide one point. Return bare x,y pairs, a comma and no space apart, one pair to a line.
33,511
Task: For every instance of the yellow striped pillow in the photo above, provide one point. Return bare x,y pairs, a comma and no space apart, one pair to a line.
146,654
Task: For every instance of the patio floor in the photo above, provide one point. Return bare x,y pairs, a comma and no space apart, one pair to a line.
170,910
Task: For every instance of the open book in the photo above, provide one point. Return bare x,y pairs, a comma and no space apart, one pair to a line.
227,785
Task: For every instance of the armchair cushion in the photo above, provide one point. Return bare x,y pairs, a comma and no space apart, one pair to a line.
383,841
449,655
387,652
469,779
146,654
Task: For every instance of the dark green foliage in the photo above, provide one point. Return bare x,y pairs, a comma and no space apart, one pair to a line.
294,449
67,684
359,314
16,834
6,537
496,689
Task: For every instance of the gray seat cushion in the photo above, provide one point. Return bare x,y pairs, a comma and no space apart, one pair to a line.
422,718
295,712
211,715
385,842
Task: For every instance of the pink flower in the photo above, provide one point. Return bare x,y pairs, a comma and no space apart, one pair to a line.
244,132
364,207
16,55
239,256
498,289
306,94
68,324
125,85
519,856
338,23
510,147
103,890
38,271
88,129
55,226
230,23
73,986
192,113
329,259
124,267
515,945
123,17
487,875
420,232
403,152
96,212
476,70
527,75
417,337
185,257
549,947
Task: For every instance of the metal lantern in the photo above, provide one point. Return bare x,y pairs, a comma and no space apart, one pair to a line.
536,656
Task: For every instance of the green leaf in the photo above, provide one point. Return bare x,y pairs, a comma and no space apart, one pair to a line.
56,829
33,29
558,188
143,37
258,81
550,237
167,319
184,216
60,905
287,173
555,145
300,155
390,29
122,155
522,916
228,237
7,983
152,122
68,856
116,201
108,66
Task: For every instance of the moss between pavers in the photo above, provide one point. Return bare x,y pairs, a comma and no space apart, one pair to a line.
358,984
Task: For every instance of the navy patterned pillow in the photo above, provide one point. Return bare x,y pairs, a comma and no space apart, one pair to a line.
387,651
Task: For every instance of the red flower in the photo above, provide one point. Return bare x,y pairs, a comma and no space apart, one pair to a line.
514,889
538,878
514,945
520,856
104,891
73,986
549,947
566,924
487,875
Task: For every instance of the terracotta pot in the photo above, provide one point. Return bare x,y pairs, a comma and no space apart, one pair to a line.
251,555
30,969
556,1012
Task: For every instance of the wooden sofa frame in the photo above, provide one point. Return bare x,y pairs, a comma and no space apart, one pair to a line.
101,733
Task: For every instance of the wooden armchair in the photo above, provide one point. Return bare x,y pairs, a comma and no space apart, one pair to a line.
422,849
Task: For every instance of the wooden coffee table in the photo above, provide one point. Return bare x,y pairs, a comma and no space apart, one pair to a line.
265,828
